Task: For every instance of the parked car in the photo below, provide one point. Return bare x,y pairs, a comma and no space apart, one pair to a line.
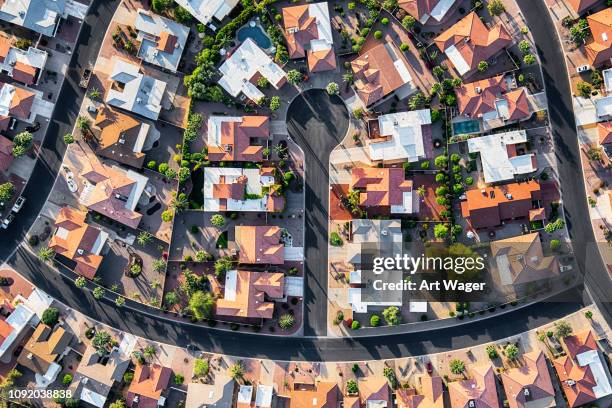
33,128
583,68
7,221
565,268
18,204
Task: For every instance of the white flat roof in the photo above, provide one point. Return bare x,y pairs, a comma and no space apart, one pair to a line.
213,134
440,10
417,307
231,278
92,397
245,394
18,320
607,75
457,59
205,10
601,374
263,396
410,204
405,130
255,184
320,11
150,27
603,106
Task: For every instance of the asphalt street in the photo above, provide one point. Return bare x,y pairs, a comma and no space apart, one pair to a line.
317,123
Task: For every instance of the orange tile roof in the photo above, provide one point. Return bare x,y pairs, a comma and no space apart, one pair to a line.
78,242
325,395
234,190
300,29
21,103
476,98
44,347
235,143
24,73
491,205
580,343
5,330
577,382
418,8
260,244
604,131
518,104
580,6
373,389
432,394
474,41
167,42
324,60
380,187
148,384
6,153
375,73
533,376
5,47
600,49
250,293
118,126
480,388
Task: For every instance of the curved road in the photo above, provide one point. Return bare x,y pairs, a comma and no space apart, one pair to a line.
301,127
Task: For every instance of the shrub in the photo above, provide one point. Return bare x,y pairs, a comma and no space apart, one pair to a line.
492,351
483,66
201,305
335,239
332,88
375,320
392,315
275,103
355,325
378,34
286,321
555,244
68,138
457,366
404,47
584,89
217,220
98,293
179,379
351,387
50,316
200,367
511,351
67,379
588,314
384,21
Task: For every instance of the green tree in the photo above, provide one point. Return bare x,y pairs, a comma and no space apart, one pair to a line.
167,215
441,231
529,59
45,254
80,282
335,239
496,7
119,301
555,244
441,161
457,366
144,238
67,379
584,89
201,305
217,220
83,123
375,320
492,351
580,31
50,316
101,341
294,77
416,101
171,298
511,351
408,22
68,138
6,191
150,351
275,103
525,47
223,264
200,367
236,370
348,77
117,404
98,292
332,88
351,387
392,315
562,329
286,321
483,66
159,265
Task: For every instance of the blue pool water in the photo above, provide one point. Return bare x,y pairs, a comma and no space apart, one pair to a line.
466,127
256,34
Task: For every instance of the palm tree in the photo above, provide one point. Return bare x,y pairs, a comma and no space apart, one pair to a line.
179,202
280,150
348,77
149,351
144,238
45,254
421,191
236,370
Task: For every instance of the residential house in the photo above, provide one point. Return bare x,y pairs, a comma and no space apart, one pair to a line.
23,66
581,6
131,90
42,353
491,206
246,292
205,10
373,392
529,385
599,51
217,395
260,244
309,34
113,192
150,381
583,371
380,72
384,190
78,241
237,138
264,395
241,189
6,153
323,394
96,374
399,137
431,395
519,260
162,41
499,156
493,102
15,104
122,137
14,328
243,68
426,10
478,391
604,133
41,16
470,41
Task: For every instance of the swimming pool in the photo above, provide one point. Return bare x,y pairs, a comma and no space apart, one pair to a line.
257,34
466,127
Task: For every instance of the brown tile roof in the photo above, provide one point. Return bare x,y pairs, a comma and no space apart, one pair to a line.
5,330
167,42
21,72
6,153
324,60
418,8
532,377
148,384
43,348
325,395
21,102
300,29
234,190
370,389
474,41
431,396
600,49
251,291
236,140
580,6
580,343
491,205
260,244
518,104
78,242
117,127
5,46
577,382
375,72
477,98
604,131
380,187
526,260
480,388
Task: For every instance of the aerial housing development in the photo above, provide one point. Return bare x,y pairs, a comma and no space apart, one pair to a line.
303,203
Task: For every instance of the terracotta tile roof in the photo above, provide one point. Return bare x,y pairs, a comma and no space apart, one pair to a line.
248,297
604,131
44,347
323,60
372,389
167,42
235,140
5,46
473,40
580,6
491,205
580,343
75,240
532,378
577,382
24,73
300,29
600,49
375,73
260,244
480,388
380,187
117,127
432,395
5,330
325,395
521,259
148,384
477,98
418,8
6,153
518,104
234,190
21,102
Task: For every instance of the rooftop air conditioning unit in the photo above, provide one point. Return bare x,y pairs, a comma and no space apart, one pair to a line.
478,90
509,196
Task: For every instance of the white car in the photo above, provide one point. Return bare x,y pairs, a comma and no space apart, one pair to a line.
18,204
565,268
7,220
583,68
